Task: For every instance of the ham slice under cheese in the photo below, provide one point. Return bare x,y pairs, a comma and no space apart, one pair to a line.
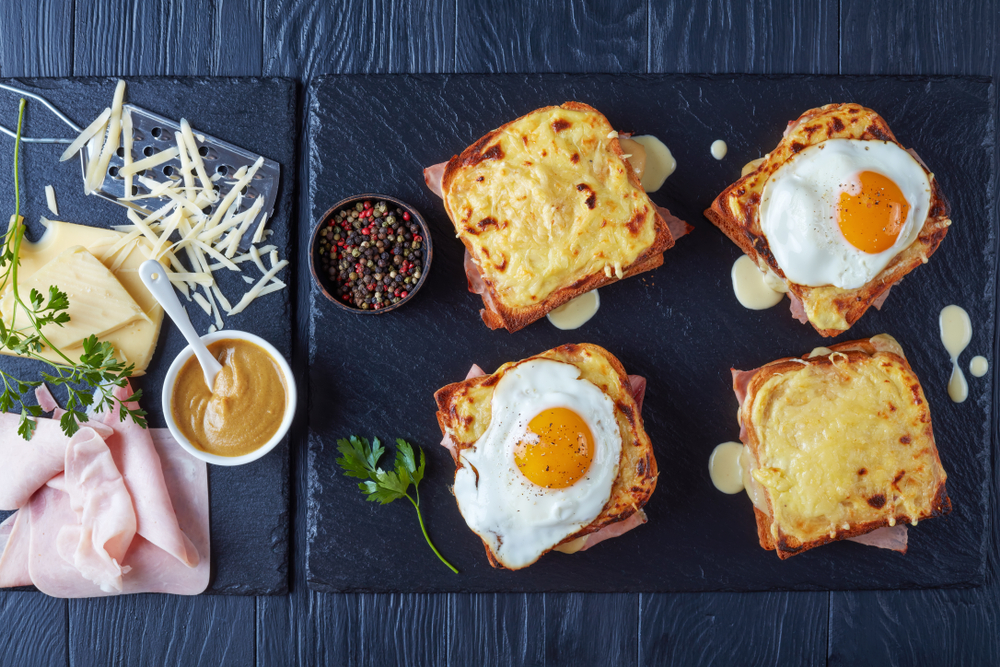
638,390
890,537
123,509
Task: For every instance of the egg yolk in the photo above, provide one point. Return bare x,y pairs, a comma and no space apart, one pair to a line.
557,449
871,212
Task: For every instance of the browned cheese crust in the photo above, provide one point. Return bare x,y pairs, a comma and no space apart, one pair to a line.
922,476
484,235
737,213
464,413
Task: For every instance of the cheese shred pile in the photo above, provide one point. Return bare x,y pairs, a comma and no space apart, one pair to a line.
190,243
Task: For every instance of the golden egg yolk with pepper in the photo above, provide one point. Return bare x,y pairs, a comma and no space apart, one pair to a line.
871,212
556,450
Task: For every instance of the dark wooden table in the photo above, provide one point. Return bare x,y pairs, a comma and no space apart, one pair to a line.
302,39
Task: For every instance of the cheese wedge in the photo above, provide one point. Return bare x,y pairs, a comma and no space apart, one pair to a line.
135,340
98,304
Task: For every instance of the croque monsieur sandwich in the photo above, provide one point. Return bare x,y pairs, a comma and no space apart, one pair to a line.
549,207
550,453
838,445
835,215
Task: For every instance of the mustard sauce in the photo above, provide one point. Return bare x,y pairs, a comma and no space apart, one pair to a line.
245,408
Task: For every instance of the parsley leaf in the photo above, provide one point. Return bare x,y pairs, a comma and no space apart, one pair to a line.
98,370
359,459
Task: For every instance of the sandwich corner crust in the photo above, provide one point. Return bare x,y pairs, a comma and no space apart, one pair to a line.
736,212
893,480
464,413
558,172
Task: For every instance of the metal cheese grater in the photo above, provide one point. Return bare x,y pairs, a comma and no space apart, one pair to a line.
153,133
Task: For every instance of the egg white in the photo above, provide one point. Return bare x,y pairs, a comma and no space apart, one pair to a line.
798,210
516,518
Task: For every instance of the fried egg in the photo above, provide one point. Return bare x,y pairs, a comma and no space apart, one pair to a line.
545,466
838,212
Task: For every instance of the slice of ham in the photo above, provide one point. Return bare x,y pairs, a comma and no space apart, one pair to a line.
637,387
25,467
434,177
677,227
14,551
614,530
472,275
125,514
133,451
46,401
95,544
881,299
893,538
798,310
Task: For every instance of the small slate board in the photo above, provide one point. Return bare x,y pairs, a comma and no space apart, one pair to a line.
249,504
680,326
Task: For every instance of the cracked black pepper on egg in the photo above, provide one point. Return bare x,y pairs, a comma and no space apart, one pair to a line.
372,254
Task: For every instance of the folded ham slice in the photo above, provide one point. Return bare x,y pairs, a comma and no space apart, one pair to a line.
124,509
637,387
97,541
893,538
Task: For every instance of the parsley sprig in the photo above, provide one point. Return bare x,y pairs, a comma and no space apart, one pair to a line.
360,459
91,381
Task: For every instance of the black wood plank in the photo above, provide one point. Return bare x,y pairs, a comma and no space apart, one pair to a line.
582,629
304,39
782,36
539,36
37,38
402,630
918,37
733,629
162,630
901,628
502,629
183,37
33,629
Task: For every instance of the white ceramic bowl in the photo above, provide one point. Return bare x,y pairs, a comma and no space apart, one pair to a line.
290,400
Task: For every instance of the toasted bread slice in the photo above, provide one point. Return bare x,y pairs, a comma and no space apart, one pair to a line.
464,410
549,207
736,211
841,444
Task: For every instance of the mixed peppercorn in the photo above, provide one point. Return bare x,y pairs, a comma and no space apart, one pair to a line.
372,254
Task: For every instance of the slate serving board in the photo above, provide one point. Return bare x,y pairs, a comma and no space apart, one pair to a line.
679,325
249,504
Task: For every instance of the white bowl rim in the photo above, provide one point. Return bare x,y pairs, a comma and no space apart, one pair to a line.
291,397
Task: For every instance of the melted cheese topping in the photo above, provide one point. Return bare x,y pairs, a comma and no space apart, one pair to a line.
547,201
844,443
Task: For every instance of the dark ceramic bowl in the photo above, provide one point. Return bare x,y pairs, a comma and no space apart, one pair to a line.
327,285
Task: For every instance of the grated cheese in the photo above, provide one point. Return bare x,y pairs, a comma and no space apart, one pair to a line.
127,139
182,225
93,129
50,199
153,160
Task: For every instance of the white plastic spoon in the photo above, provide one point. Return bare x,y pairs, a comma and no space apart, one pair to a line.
154,277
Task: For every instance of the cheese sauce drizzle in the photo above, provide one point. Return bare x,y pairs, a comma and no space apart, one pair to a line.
650,158
719,149
575,313
750,287
725,469
979,366
956,333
